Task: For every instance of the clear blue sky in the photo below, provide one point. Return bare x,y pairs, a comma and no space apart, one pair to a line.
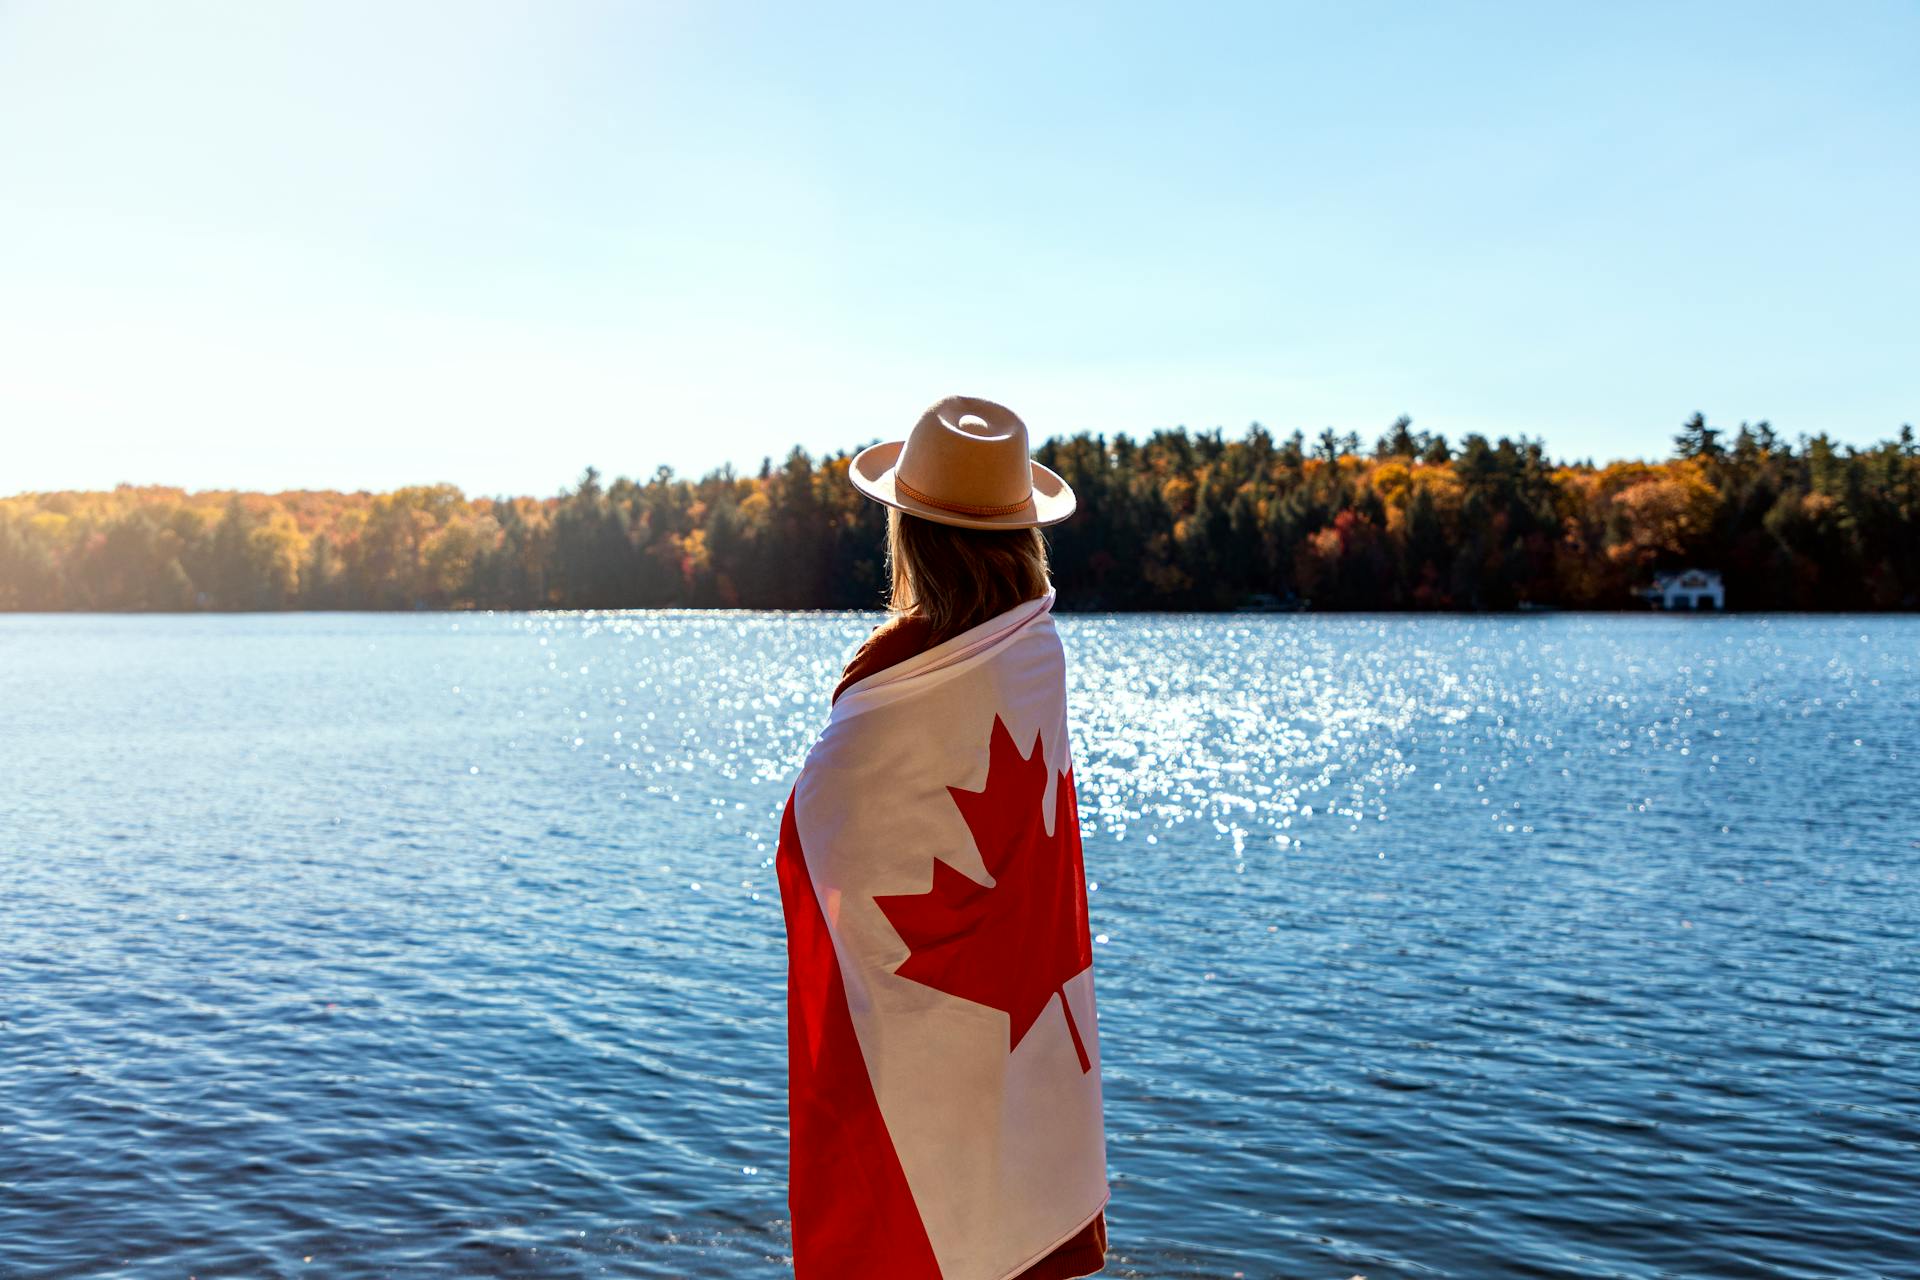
355,245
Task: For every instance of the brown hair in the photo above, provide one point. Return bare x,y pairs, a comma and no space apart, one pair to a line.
956,578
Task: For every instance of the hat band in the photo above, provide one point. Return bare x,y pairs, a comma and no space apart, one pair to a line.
958,508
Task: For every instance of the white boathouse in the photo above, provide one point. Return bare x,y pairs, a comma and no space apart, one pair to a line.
1687,589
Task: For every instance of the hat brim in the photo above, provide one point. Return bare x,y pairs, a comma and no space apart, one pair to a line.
872,474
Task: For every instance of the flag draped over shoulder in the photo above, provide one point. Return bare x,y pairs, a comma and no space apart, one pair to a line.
944,1063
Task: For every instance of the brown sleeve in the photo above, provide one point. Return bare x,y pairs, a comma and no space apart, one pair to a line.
892,642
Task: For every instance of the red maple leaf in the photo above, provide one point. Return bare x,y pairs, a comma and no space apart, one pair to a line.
1013,944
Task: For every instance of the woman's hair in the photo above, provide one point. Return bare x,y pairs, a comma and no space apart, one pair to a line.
957,578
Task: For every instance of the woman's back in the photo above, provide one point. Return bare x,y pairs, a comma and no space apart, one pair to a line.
944,1058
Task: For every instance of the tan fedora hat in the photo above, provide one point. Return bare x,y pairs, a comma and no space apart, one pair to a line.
964,463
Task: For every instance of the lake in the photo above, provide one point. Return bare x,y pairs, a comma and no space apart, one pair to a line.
450,945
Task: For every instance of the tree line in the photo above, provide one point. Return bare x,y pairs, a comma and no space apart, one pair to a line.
1177,520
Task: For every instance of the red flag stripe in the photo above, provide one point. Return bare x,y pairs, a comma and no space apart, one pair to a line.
854,1216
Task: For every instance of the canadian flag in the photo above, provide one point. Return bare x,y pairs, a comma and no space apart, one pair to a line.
944,1062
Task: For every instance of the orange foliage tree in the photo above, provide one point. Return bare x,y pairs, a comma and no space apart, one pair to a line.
1179,520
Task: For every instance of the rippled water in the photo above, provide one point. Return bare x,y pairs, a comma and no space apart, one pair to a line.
450,945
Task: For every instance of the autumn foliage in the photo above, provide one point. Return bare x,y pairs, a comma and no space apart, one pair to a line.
1179,520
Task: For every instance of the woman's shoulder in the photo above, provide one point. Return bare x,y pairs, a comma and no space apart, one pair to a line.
892,642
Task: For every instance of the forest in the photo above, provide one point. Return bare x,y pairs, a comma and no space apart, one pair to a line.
1177,520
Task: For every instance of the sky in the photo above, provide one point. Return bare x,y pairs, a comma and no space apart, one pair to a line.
360,245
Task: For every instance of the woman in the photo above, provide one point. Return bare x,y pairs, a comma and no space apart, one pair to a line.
943,1068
